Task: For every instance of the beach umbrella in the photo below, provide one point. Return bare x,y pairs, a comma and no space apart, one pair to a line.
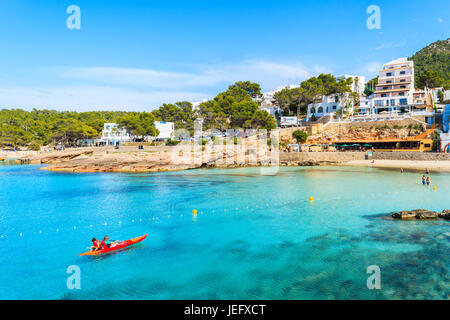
367,145
355,145
345,145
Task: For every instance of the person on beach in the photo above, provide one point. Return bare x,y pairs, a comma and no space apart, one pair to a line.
428,181
424,180
106,243
96,245
427,171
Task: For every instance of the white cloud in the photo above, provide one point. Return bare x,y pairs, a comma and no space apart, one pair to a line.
115,88
391,45
268,74
370,69
440,20
83,98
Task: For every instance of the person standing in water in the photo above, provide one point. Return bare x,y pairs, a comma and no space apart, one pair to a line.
424,180
428,181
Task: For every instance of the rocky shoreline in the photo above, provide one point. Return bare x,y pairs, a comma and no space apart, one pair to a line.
174,158
421,214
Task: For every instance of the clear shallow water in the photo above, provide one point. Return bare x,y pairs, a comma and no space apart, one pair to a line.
255,237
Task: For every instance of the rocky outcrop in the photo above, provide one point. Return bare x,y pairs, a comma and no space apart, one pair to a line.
420,214
57,157
445,214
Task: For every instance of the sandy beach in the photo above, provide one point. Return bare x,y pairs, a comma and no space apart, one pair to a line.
433,166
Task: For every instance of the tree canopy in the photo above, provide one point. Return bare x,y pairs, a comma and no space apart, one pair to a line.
42,127
311,90
429,79
434,57
233,108
138,124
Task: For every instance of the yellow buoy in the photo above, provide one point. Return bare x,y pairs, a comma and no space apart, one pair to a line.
194,212
311,199
434,188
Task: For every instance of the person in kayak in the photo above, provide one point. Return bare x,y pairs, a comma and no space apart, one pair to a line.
96,245
106,243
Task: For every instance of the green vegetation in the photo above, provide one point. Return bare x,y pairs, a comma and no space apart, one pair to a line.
436,58
42,127
295,101
138,124
370,86
180,113
300,136
171,142
429,79
234,108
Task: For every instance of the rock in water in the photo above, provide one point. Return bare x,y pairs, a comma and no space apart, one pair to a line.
404,215
445,214
421,214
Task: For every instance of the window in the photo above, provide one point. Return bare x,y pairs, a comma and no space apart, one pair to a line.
392,102
336,99
385,88
334,107
402,80
401,94
389,81
402,87
402,72
383,95
427,145
403,101
320,110
389,74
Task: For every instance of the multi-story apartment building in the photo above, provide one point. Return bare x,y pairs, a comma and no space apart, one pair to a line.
395,87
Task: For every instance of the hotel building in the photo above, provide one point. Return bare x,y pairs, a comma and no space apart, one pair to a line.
395,88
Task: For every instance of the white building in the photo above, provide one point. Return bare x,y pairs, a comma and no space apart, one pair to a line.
358,84
166,129
268,102
112,134
395,88
365,105
335,102
196,104
329,105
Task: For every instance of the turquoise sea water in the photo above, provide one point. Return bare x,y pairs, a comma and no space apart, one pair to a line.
255,236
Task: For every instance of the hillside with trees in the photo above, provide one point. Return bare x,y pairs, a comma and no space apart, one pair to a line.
432,65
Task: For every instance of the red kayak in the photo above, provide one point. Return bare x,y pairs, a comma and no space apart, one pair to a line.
114,247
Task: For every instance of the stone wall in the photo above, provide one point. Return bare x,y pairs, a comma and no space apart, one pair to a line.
417,156
345,126
332,157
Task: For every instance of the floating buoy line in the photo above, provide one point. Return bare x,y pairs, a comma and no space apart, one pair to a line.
153,219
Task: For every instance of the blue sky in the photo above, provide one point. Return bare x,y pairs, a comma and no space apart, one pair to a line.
136,54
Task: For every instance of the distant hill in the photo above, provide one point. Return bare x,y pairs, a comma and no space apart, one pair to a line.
434,57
